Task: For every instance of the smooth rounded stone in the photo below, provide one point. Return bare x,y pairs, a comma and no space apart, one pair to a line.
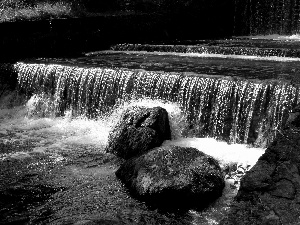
173,177
139,130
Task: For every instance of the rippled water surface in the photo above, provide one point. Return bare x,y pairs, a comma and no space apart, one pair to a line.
250,67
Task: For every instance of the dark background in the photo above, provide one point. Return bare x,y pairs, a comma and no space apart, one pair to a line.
108,22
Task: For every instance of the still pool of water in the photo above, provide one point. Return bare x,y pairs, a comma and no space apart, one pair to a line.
250,67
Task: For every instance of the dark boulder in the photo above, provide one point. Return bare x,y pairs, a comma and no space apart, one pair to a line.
294,117
270,191
173,177
139,130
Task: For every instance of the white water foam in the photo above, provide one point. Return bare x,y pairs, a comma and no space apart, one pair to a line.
294,37
67,133
225,153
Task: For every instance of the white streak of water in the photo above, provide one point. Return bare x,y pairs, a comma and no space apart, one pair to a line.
209,55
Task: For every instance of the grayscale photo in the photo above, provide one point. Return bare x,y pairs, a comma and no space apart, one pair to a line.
149,112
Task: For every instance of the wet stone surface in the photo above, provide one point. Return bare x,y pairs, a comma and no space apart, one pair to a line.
139,130
269,192
156,177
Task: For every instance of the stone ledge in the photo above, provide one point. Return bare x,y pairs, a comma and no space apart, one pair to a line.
270,191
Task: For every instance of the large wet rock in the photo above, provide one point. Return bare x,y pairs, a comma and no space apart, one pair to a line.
97,197
270,191
173,177
139,130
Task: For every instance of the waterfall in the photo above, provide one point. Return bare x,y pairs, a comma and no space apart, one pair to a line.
236,110
217,48
266,17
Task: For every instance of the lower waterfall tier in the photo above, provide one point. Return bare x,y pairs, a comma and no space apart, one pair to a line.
236,110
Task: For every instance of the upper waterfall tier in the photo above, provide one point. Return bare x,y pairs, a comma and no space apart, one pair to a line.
238,46
238,110
266,17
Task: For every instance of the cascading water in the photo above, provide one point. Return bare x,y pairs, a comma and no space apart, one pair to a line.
222,48
266,17
55,143
237,110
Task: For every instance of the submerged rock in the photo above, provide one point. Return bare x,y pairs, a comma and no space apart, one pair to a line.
173,177
139,130
270,191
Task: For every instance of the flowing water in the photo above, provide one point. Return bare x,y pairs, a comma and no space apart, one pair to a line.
54,130
267,17
63,157
240,101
